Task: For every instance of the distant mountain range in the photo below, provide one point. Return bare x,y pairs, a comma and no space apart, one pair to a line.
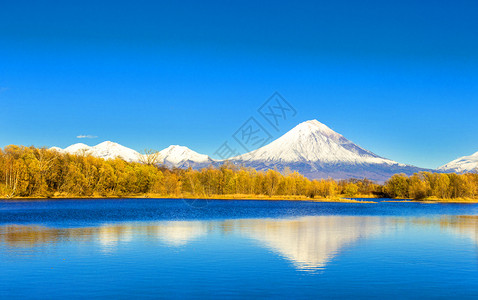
462,164
106,150
173,156
311,148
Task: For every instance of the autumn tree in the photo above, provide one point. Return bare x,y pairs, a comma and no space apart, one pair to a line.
30,171
150,157
397,186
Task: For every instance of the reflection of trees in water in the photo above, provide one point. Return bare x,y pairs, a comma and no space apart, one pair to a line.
173,233
308,242
27,236
464,226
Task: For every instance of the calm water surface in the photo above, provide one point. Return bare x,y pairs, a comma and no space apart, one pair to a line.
161,248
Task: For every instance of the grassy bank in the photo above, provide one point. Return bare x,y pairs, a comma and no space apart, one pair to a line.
210,197
340,199
439,200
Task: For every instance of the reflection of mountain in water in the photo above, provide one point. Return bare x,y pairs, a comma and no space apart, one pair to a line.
175,233
308,242
311,242
178,233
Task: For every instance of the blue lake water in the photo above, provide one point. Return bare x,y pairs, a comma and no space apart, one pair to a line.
163,248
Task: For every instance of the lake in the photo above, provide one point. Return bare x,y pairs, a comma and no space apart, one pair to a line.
170,248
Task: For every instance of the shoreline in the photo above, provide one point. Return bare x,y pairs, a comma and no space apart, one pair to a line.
338,199
186,197
426,201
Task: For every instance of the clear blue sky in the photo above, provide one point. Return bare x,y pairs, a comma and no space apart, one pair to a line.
399,78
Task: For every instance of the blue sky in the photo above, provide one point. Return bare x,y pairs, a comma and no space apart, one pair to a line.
399,78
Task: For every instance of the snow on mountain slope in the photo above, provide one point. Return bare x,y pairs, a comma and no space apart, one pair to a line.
180,156
311,148
110,150
462,164
173,156
315,150
56,149
73,149
313,141
106,150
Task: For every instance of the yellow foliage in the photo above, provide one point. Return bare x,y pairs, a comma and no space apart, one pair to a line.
38,172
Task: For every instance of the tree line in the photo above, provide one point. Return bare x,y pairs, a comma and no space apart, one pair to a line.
432,185
40,172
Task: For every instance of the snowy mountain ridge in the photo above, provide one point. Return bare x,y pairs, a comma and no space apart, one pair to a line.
462,164
310,148
173,156
106,150
313,141
181,156
316,151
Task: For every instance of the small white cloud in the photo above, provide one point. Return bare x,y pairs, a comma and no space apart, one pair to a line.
86,136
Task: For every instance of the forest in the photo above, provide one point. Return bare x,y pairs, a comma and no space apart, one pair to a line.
43,173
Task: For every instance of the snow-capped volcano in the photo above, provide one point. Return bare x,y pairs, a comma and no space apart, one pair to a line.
106,150
317,151
313,141
462,164
311,148
173,156
180,156
75,148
